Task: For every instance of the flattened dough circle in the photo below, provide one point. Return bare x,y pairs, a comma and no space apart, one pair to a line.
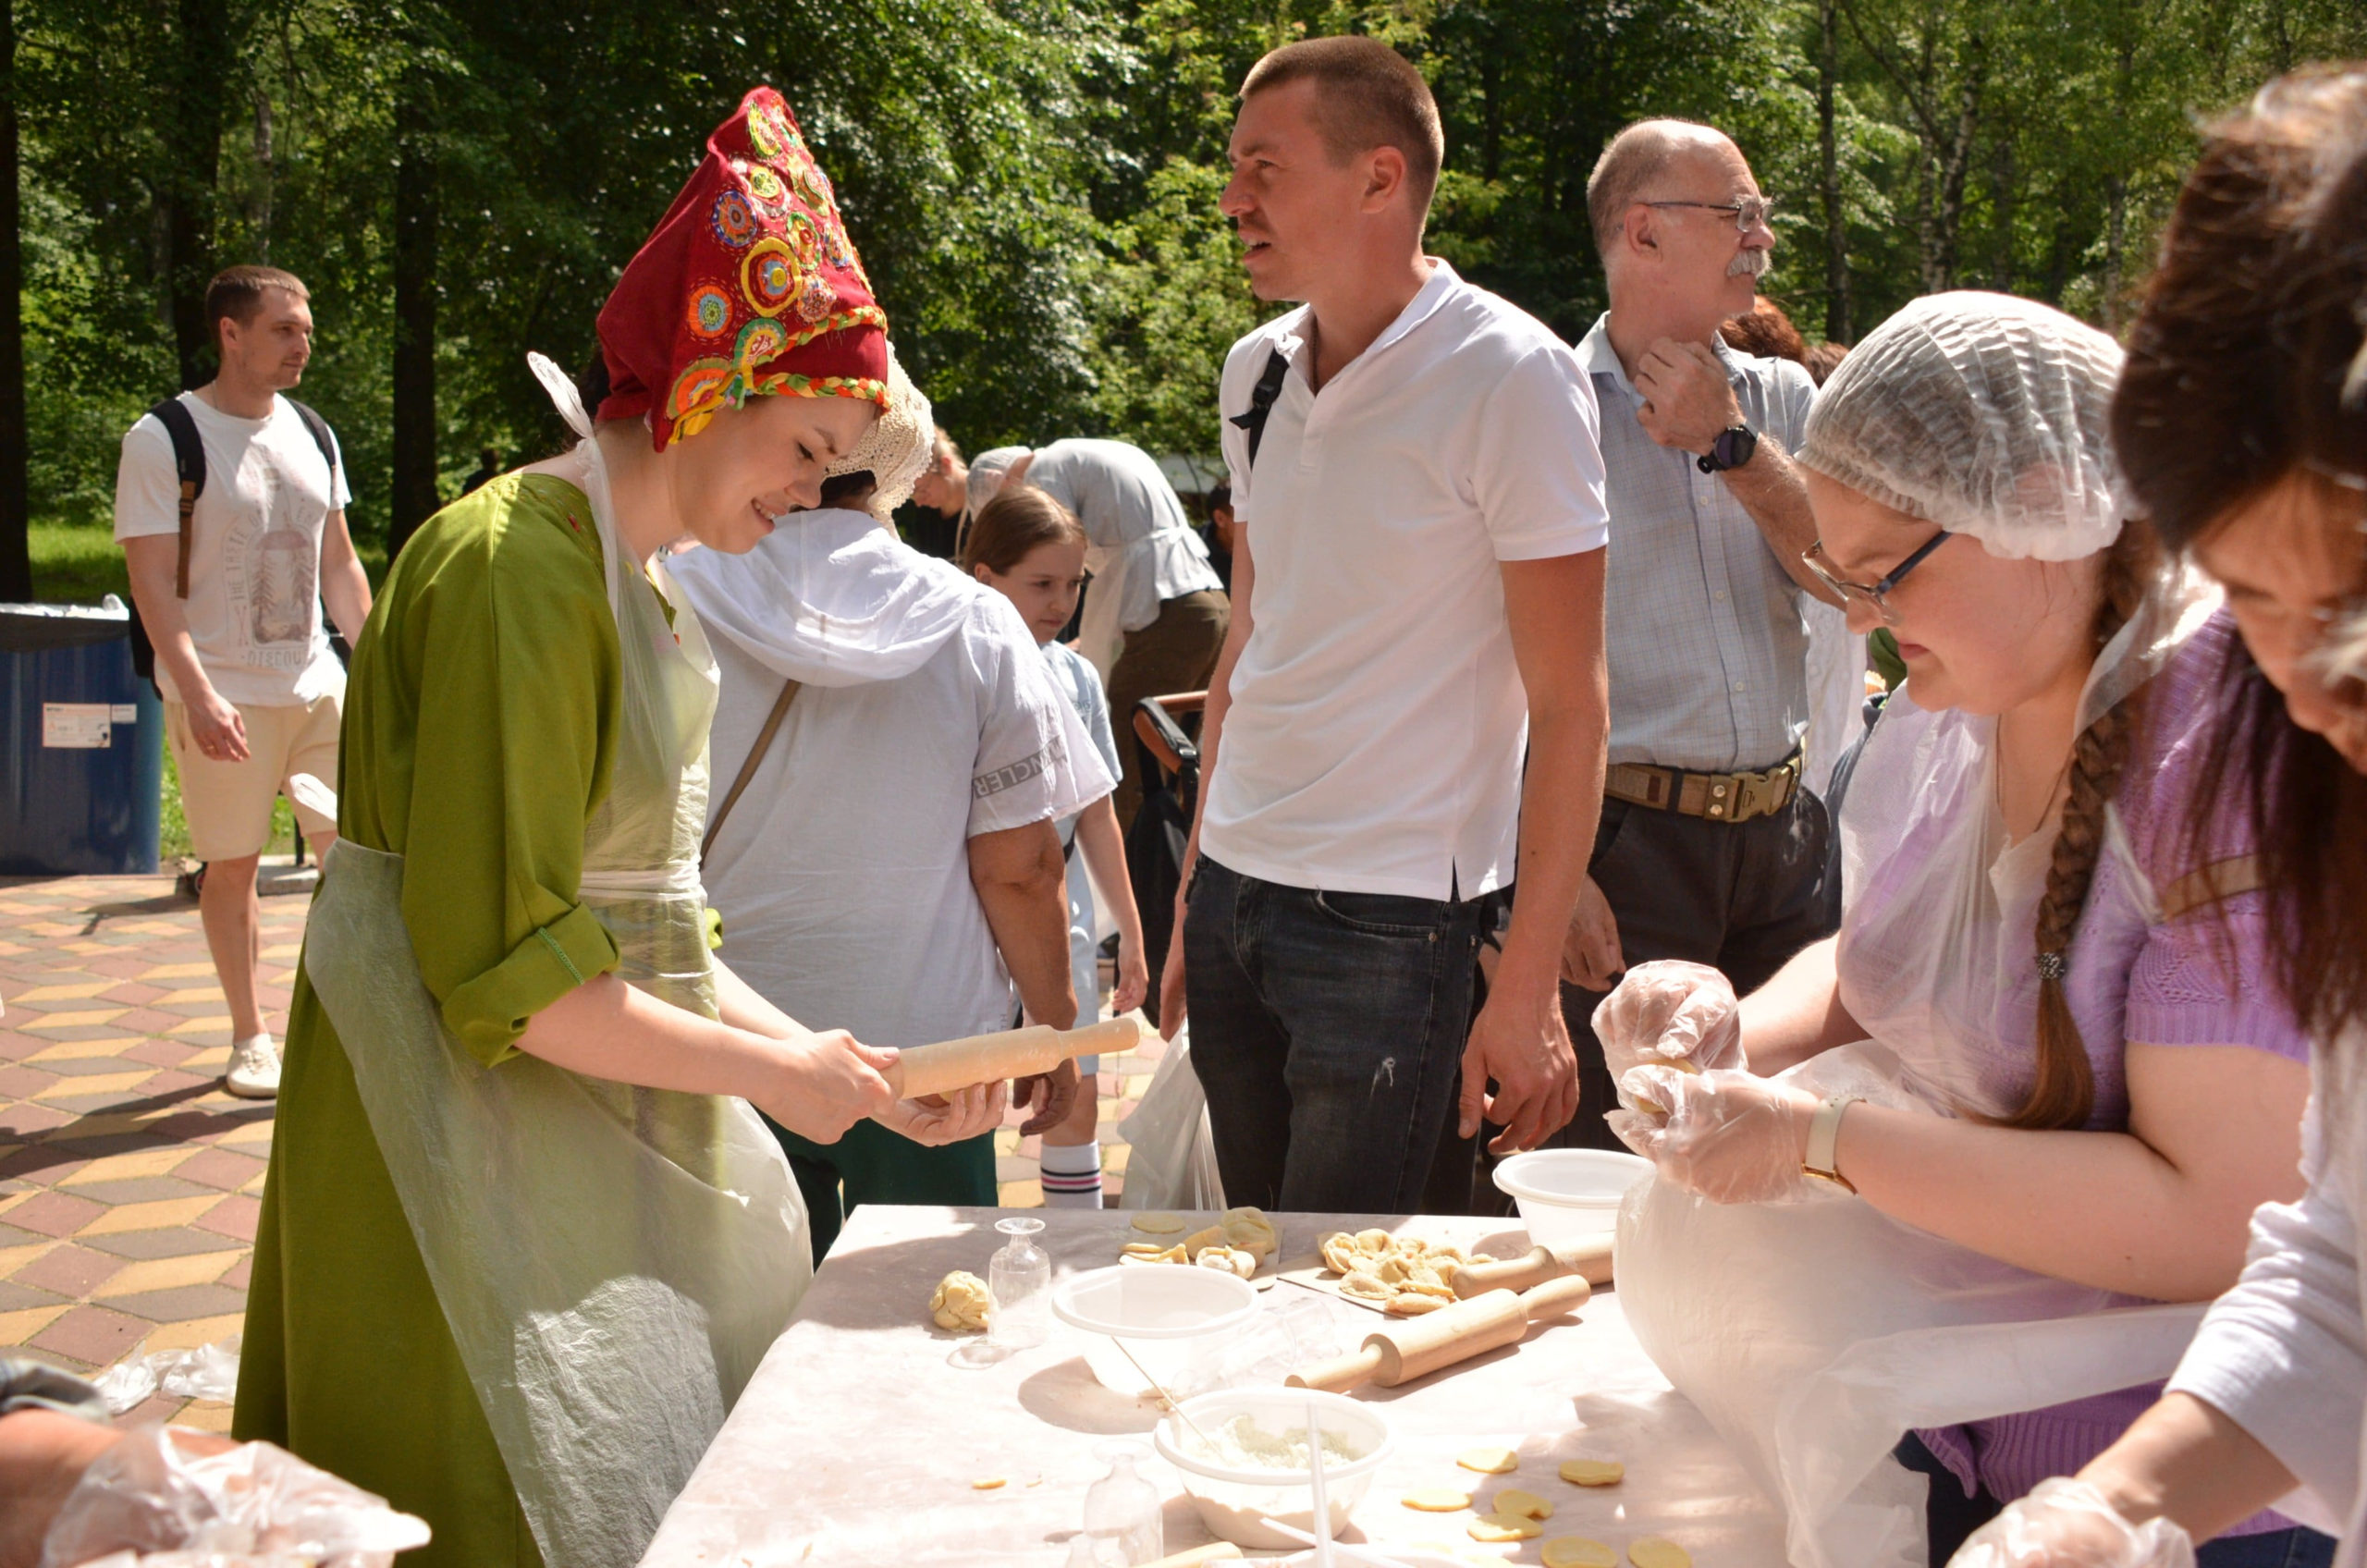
1159,1223
1437,1500
1579,1551
1658,1551
1492,1527
1527,1505
1489,1461
1593,1472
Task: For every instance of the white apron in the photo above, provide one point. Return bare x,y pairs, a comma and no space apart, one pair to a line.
612,1261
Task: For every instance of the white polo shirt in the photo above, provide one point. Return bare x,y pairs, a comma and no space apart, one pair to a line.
1378,724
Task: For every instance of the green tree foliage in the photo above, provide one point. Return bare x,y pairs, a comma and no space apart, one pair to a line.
1034,185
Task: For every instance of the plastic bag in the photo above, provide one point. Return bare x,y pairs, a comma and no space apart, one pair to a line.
1814,1335
209,1372
1172,1161
145,1500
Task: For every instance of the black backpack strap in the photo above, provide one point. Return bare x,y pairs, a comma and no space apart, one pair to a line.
319,428
189,463
1261,400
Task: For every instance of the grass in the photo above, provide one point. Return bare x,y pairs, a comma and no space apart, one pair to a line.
80,564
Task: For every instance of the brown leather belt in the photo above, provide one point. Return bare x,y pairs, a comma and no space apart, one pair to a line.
1720,796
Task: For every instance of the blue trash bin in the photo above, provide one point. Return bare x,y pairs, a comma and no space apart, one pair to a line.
81,745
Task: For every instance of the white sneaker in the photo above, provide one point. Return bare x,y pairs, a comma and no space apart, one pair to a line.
254,1069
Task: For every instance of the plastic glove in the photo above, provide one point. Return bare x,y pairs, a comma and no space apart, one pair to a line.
1733,1137
1670,1012
2068,1524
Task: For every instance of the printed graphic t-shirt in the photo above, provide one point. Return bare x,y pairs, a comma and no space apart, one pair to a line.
255,568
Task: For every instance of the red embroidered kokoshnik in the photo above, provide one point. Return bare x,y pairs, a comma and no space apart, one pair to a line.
748,286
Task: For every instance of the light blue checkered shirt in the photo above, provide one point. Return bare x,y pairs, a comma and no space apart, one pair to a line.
1707,649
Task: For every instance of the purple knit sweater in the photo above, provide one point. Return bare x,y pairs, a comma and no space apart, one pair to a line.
2190,981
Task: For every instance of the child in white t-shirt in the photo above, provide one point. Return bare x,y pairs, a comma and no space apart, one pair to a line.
1028,547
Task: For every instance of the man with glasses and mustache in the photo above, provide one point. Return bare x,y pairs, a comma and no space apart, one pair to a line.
1712,846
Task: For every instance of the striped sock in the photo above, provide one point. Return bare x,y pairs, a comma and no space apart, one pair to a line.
1072,1175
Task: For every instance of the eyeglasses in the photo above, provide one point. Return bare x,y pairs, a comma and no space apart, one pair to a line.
1875,594
1748,211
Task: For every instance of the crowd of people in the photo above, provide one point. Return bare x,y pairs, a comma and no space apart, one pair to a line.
1539,803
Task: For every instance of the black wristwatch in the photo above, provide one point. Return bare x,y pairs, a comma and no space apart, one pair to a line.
1733,449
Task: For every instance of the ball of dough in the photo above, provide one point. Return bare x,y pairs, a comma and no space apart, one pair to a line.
1492,1527
1437,1500
1489,1461
959,1302
1658,1551
1578,1551
1593,1472
1527,1505
1249,1230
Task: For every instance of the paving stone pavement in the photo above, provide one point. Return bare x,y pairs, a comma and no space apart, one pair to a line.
129,1181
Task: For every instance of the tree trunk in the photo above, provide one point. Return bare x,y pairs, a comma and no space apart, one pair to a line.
2115,248
15,563
201,66
414,498
1838,327
267,175
1957,161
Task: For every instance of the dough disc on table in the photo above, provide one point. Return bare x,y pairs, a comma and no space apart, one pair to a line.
1527,1505
1160,1224
1494,1527
1412,1304
1437,1500
1658,1551
1593,1472
1578,1551
1489,1461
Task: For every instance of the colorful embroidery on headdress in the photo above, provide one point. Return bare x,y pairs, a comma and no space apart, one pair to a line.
735,221
764,188
710,310
761,340
767,132
770,277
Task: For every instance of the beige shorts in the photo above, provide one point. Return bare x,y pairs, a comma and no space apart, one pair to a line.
229,803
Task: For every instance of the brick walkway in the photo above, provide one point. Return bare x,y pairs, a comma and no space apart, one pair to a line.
129,1182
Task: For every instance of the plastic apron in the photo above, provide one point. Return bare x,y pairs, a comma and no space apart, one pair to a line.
612,1261
1815,1334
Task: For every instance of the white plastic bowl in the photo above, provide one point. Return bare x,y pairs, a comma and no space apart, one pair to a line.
1175,1321
1236,1503
1567,1195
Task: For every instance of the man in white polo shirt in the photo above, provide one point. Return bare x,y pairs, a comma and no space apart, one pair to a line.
232,602
1418,567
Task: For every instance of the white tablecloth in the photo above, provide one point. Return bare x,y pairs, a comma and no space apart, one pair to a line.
857,1442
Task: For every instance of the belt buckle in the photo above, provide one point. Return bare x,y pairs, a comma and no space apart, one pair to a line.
1760,794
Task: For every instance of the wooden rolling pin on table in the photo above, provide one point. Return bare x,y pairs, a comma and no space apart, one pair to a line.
1013,1053
1422,1345
1590,1259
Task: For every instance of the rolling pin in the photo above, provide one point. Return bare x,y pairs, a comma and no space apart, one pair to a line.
1422,1345
1014,1053
1589,1258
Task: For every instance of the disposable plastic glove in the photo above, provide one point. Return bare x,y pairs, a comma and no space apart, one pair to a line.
2068,1524
1733,1137
1670,1012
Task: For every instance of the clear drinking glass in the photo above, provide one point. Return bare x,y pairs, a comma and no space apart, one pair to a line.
1122,1510
1018,1281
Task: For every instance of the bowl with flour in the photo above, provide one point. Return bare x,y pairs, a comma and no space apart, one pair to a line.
1247,1465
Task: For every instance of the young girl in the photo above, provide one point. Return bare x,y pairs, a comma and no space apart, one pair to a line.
1028,547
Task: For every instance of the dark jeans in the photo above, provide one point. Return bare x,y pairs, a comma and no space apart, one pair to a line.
1328,1032
1950,1516
1741,896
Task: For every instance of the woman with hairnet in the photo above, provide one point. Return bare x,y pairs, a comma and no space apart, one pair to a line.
1929,1192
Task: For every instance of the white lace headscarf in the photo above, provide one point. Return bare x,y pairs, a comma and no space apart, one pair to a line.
896,448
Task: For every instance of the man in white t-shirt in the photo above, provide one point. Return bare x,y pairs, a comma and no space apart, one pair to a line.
1156,612
1418,560
251,688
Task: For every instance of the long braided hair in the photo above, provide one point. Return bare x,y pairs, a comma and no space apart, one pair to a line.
2064,1093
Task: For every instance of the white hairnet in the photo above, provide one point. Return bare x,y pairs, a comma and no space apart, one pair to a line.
1986,415
896,448
987,472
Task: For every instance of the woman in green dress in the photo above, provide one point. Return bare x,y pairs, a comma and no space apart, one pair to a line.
524,1240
